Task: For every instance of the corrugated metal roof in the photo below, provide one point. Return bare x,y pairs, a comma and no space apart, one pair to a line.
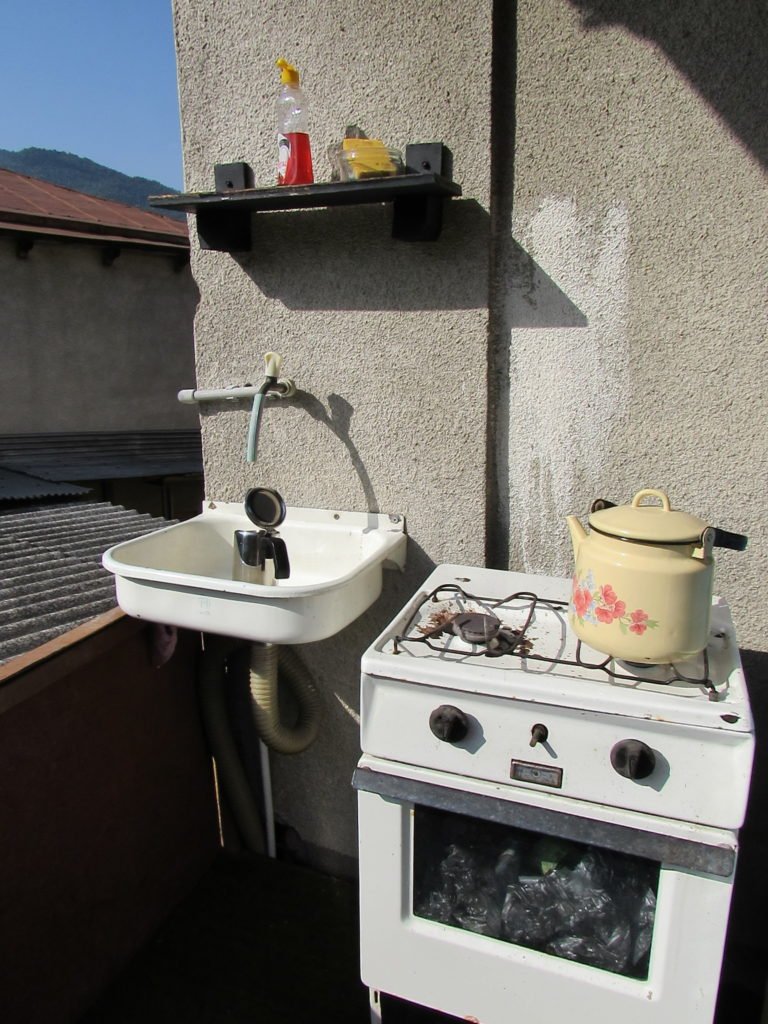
103,456
22,487
28,203
51,578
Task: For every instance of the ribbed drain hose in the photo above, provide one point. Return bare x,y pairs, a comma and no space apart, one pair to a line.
229,767
281,738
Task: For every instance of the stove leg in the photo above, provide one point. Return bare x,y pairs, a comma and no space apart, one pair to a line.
374,997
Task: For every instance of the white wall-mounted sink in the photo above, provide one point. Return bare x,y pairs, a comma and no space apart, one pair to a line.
183,575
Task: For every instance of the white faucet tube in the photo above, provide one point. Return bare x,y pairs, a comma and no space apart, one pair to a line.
254,424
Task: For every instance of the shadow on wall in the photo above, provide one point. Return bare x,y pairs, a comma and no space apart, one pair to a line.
719,45
339,422
531,297
344,258
337,418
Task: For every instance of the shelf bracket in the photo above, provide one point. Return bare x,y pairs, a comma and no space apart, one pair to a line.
420,218
224,230
225,217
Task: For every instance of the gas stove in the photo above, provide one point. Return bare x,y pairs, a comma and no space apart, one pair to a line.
542,826
500,641
508,632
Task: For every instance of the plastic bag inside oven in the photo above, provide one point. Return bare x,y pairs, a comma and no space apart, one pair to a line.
568,899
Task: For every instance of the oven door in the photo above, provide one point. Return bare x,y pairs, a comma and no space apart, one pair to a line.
496,905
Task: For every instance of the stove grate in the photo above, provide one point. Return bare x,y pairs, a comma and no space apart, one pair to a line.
514,642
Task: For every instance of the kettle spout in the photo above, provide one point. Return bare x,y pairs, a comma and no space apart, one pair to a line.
577,532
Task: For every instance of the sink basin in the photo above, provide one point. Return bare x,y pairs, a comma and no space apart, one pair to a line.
183,575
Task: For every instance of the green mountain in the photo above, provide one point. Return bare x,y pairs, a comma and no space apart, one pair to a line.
83,175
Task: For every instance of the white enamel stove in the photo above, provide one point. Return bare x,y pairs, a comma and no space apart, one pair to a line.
481,711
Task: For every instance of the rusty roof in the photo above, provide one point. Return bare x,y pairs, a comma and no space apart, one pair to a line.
29,206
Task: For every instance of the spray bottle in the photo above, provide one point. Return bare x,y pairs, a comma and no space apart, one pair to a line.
294,165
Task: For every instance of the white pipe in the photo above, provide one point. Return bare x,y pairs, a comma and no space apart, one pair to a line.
216,395
272,733
269,804
284,388
230,771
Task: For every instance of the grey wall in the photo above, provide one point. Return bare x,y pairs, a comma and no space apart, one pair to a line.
632,286
388,341
85,347
589,323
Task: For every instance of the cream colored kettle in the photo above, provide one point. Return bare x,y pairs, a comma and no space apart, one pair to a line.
642,585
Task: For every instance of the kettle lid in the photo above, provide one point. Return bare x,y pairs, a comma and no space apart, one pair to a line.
654,524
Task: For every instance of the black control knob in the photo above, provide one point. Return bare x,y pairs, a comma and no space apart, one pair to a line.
633,759
448,723
539,734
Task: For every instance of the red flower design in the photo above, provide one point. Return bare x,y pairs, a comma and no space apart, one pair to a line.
602,605
639,619
581,601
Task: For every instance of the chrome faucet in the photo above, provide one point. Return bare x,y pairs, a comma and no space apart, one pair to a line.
257,547
260,556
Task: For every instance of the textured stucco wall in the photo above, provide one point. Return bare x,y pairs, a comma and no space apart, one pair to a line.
93,348
612,306
632,288
387,340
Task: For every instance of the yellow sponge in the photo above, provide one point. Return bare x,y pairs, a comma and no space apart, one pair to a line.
367,158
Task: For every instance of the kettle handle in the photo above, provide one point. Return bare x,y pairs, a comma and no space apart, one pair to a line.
726,539
653,493
600,503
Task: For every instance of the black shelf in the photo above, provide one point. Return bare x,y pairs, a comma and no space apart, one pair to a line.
224,217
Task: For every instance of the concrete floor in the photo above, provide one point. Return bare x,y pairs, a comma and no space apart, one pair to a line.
256,941
215,961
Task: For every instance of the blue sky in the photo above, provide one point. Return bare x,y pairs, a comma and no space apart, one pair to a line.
93,78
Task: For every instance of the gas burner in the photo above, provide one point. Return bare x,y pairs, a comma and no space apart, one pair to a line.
481,630
629,672
453,622
472,626
476,627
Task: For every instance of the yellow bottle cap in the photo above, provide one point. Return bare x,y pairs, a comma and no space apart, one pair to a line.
288,73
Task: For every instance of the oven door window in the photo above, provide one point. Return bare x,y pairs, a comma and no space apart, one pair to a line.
568,899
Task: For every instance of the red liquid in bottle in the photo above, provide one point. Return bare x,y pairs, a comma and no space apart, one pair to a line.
295,159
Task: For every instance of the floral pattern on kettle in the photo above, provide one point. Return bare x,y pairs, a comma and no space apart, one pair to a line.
601,604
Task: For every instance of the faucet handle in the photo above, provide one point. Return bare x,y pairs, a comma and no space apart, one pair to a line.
272,364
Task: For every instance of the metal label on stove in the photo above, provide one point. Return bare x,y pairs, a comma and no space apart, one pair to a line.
540,774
